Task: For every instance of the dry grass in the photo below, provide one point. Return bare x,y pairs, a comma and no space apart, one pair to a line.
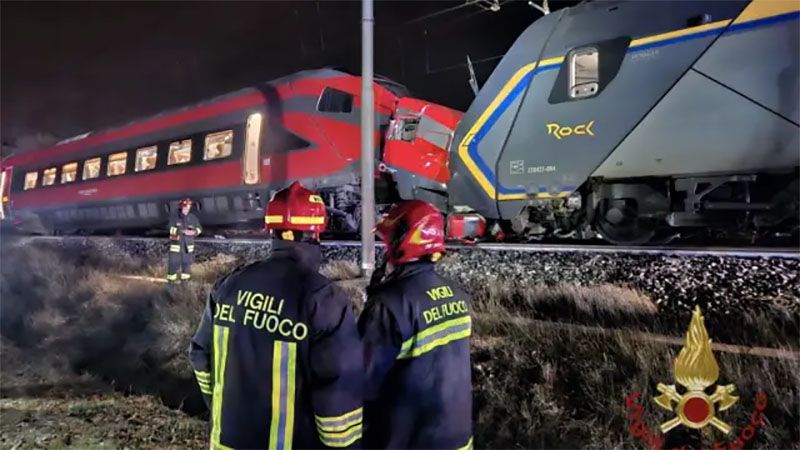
106,420
536,388
81,320
207,271
72,330
340,270
545,383
764,323
568,302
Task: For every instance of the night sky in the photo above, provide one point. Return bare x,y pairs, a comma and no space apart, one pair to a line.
68,68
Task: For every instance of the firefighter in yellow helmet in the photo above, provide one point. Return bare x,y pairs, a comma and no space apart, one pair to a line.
277,355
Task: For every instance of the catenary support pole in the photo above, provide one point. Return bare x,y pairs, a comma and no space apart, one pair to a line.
367,143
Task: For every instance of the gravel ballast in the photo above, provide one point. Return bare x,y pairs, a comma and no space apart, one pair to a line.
676,284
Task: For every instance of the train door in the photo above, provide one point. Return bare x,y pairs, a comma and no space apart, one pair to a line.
5,189
251,161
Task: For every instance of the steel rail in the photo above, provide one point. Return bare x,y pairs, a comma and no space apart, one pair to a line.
683,251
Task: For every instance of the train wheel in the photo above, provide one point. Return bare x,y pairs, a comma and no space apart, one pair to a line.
618,222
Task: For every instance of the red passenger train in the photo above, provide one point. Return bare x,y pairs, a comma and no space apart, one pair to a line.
230,153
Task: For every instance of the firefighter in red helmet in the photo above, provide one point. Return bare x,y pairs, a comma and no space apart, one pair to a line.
277,355
415,330
183,229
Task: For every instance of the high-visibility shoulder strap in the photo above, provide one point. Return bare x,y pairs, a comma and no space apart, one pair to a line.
221,334
284,364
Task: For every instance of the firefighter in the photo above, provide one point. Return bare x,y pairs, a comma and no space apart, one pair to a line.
277,354
415,330
183,229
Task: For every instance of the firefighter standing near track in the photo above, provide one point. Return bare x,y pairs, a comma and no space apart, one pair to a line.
183,229
415,331
277,354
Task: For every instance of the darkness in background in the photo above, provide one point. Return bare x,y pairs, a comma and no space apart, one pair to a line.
72,67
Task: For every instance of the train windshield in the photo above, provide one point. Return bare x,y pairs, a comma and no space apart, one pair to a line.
403,128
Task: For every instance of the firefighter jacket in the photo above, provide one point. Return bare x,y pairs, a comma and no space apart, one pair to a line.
178,224
415,330
278,358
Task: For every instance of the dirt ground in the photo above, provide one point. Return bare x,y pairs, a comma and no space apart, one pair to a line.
111,421
89,359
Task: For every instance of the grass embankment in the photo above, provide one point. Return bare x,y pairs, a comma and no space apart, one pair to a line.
92,359
542,381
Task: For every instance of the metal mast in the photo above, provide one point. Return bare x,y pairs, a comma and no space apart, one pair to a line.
367,142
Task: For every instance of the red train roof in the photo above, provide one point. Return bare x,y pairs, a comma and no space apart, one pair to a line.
209,108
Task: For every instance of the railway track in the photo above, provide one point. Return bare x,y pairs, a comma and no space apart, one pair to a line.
676,251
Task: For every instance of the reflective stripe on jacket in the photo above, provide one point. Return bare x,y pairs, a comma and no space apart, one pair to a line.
179,223
278,358
415,331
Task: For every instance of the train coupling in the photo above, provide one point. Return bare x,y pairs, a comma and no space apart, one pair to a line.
465,227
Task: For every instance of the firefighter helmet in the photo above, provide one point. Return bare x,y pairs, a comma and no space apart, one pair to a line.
186,201
412,229
297,208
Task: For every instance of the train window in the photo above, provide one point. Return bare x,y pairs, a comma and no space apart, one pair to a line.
68,172
30,180
252,160
117,163
584,75
336,101
91,168
49,176
146,158
403,128
180,152
218,145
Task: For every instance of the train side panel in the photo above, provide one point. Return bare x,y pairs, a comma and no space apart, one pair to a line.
762,44
724,121
137,198
719,132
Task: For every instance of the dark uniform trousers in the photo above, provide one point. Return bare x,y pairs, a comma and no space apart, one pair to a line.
415,330
181,247
278,358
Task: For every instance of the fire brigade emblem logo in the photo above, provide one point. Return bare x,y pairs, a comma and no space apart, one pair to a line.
696,370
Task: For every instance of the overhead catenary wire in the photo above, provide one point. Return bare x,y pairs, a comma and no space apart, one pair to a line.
430,71
443,11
